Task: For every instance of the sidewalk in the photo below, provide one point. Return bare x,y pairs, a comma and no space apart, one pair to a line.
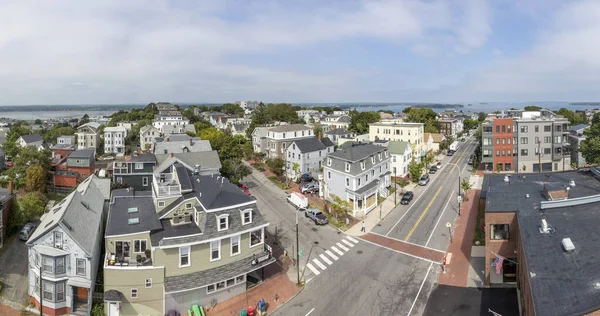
459,251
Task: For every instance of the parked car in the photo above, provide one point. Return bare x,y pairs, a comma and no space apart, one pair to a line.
242,186
470,162
462,139
26,231
407,197
316,216
439,164
433,169
305,178
424,179
9,164
108,158
450,153
298,200
311,187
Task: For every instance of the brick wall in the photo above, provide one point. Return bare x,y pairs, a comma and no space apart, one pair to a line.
49,311
504,248
523,282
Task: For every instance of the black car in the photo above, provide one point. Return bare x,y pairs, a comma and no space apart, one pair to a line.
433,169
450,153
407,197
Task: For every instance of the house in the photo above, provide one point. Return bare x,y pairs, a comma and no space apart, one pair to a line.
341,112
161,120
77,167
135,171
259,139
438,138
127,125
178,129
238,128
114,140
335,134
66,140
165,108
30,140
181,143
193,239
148,135
356,138
576,136
428,142
401,153
450,127
279,137
207,162
308,155
88,135
336,121
6,200
412,133
541,232
63,147
357,174
212,117
64,250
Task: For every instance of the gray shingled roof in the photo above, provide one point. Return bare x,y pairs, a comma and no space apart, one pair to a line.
82,153
174,146
354,154
344,119
33,138
357,152
145,157
307,145
178,129
290,128
338,131
208,160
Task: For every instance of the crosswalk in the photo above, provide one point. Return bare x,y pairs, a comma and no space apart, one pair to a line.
321,261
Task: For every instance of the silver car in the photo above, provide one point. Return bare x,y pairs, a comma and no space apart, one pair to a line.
26,231
311,187
424,179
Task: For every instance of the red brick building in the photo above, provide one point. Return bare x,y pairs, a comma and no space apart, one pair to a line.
503,144
6,200
77,166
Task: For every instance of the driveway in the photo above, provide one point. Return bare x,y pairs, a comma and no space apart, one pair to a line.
13,271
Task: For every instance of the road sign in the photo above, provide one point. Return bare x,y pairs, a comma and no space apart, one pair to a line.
448,225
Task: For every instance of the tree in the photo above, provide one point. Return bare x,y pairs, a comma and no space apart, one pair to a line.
232,108
338,205
36,179
465,185
227,146
590,150
532,108
276,165
445,144
84,119
359,121
37,121
402,183
11,148
259,118
317,130
31,155
234,170
481,116
574,118
470,124
52,134
596,119
432,126
282,112
415,169
248,149
27,207
421,115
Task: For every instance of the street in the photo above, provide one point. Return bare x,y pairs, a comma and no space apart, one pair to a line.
373,274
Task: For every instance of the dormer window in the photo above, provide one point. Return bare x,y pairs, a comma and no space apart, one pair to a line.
223,222
329,162
362,165
385,153
246,216
372,159
379,156
347,167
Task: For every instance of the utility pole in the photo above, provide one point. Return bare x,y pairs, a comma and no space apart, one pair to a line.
41,291
539,157
285,166
395,188
297,249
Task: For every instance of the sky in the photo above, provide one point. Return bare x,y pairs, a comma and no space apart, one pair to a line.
141,51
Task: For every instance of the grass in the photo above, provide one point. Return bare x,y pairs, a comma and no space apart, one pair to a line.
479,234
258,167
278,183
55,197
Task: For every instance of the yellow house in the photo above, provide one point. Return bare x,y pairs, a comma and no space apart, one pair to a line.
413,133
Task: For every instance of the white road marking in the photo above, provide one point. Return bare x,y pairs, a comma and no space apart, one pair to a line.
337,251
448,258
342,246
348,243
439,218
352,239
408,242
309,280
310,311
420,288
317,262
313,269
329,262
411,206
398,251
331,254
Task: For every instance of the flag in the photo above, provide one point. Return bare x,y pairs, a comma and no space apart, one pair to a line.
499,261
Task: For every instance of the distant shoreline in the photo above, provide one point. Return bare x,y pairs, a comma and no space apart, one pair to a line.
585,103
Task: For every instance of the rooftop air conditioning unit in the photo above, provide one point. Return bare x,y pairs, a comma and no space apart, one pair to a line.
568,244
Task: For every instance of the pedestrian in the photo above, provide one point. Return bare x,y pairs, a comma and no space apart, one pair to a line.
364,228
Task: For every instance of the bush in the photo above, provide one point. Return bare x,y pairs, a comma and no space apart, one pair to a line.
258,167
98,309
276,165
278,183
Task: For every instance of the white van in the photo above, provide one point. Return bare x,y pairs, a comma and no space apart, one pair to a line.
298,200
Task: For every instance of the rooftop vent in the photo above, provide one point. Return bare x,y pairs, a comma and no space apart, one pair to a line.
506,179
527,195
597,285
572,183
545,228
568,244
132,210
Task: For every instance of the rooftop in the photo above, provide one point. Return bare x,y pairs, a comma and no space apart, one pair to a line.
562,283
396,123
312,144
32,138
338,131
358,151
124,200
145,157
82,153
398,147
121,129
290,128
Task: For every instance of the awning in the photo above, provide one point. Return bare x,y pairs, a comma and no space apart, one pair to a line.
113,296
50,251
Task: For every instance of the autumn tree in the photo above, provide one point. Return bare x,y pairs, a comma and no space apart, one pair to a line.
36,179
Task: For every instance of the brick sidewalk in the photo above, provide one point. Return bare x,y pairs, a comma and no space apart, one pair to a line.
7,311
457,271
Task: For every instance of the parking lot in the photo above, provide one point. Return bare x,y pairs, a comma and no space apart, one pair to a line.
13,272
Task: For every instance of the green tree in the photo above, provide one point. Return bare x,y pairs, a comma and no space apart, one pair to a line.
37,121
445,144
574,118
317,130
52,134
227,146
432,126
248,149
10,146
232,108
282,112
415,169
36,179
359,121
338,205
234,170
481,116
470,124
421,115
590,150
532,108
402,183
276,165
84,119
27,208
259,118
465,185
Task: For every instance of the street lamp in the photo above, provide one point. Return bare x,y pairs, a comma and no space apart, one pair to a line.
459,202
449,225
395,189
297,248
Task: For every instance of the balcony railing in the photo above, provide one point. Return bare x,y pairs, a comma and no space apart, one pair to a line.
111,260
166,185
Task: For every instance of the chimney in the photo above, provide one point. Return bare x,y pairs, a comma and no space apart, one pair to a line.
172,155
10,187
191,141
168,138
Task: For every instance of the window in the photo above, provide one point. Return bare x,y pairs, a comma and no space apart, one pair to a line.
547,128
524,152
139,245
537,128
235,245
161,203
134,293
247,216
547,151
503,141
497,141
373,172
139,165
122,249
347,167
503,128
223,222
215,250
504,153
372,159
329,161
60,292
347,182
379,156
508,140
358,181
557,139
328,175
499,231
524,129
497,153
257,237
58,242
537,140
48,291
210,288
145,181
60,265
509,127
48,264
362,165
487,141
497,128
524,140
547,139
184,256
81,266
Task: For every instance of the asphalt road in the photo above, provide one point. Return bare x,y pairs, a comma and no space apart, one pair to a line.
423,221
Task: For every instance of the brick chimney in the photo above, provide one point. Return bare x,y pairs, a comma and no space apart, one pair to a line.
172,155
191,142
10,187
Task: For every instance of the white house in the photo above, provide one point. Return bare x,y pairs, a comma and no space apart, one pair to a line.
114,140
30,140
65,250
401,153
148,135
163,120
88,135
127,125
308,154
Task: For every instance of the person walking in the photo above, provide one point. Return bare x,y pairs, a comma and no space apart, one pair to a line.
364,228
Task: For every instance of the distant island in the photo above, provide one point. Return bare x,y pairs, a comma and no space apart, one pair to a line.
585,103
58,107
416,105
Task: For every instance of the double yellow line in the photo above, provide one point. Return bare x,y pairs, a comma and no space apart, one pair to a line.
422,215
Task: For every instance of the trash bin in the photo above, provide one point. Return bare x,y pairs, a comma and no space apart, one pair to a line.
243,312
250,310
262,306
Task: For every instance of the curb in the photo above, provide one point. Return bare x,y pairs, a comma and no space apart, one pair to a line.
291,298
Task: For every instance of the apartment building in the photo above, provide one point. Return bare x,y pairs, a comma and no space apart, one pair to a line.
451,127
279,137
541,233
191,240
357,174
413,133
114,140
88,135
522,140
161,120
576,136
135,171
308,155
148,135
401,154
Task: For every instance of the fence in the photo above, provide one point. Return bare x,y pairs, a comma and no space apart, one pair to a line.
59,190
